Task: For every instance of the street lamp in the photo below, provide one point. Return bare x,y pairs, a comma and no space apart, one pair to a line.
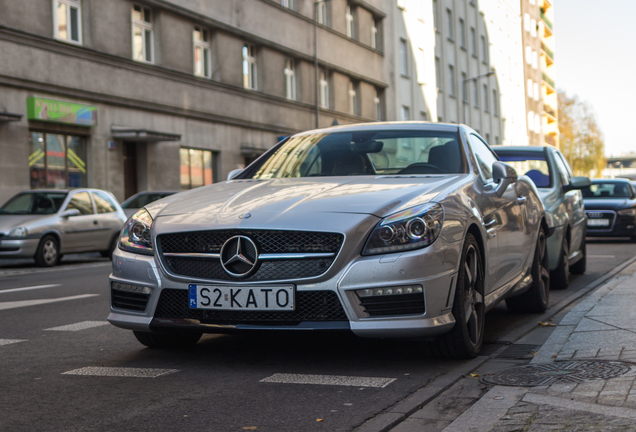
473,79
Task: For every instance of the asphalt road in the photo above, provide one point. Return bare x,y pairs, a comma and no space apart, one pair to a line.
55,344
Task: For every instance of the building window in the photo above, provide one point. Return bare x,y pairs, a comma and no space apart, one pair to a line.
196,168
537,123
421,77
495,103
57,161
496,140
536,91
484,49
464,92
67,21
401,4
322,12
201,52
475,93
528,54
404,58
486,98
451,80
288,3
324,89
249,67
377,100
473,42
351,22
435,15
535,60
406,113
142,34
526,22
376,35
529,88
353,98
290,79
462,33
531,120
438,74
423,116
533,27
449,24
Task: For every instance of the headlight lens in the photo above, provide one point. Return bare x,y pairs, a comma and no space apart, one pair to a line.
19,232
136,236
627,212
410,229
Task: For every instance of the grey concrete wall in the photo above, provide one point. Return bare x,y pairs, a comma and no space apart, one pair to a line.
110,24
230,58
176,45
272,65
35,16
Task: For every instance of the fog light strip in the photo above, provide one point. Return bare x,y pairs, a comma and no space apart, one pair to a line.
121,372
329,380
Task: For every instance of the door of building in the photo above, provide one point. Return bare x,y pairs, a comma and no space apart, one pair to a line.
130,169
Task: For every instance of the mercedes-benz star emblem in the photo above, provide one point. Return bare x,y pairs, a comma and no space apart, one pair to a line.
239,256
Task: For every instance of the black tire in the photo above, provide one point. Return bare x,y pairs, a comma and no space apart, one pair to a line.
560,277
48,252
109,253
466,337
167,340
536,299
580,266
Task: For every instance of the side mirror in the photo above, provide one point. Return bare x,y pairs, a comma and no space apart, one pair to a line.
578,183
503,175
69,213
234,173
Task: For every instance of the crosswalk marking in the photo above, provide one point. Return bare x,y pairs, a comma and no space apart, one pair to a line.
10,341
24,303
78,326
121,372
329,380
29,288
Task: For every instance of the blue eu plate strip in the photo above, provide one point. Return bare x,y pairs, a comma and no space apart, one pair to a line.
192,293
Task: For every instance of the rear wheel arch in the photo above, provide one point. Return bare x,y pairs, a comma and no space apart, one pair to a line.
475,231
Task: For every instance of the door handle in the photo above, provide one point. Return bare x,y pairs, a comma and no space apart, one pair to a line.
521,200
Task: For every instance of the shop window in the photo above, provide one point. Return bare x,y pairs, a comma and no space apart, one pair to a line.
142,29
67,20
201,38
196,168
57,161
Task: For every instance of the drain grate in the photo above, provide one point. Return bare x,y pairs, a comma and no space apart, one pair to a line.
557,372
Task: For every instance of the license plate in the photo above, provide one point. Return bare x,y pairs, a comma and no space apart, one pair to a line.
221,297
598,222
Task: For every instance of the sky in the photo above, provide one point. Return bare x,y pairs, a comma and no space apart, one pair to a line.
595,58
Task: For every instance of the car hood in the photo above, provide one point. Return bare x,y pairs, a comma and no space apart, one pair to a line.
9,221
607,203
379,196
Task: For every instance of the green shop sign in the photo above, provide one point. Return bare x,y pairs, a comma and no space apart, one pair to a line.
61,112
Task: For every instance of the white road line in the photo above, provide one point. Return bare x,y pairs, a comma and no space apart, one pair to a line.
329,380
602,256
29,288
24,303
10,341
78,326
121,372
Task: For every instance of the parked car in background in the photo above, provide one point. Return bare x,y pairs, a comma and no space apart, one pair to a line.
141,199
382,229
610,205
562,197
45,224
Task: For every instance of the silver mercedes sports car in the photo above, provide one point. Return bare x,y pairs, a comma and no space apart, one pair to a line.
385,230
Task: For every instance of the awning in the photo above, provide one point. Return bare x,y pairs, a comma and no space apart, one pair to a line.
9,117
142,135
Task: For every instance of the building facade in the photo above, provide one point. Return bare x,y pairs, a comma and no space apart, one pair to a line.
156,94
532,67
550,102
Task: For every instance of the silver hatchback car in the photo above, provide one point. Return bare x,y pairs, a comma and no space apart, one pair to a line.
45,224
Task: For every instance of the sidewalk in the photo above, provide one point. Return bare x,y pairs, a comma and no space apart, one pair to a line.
582,378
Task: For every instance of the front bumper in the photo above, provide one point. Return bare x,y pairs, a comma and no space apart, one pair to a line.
433,268
18,248
623,226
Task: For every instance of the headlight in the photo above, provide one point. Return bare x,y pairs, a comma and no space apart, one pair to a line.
19,232
627,212
135,236
410,229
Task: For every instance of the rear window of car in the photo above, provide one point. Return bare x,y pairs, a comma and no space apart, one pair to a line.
608,190
531,164
34,203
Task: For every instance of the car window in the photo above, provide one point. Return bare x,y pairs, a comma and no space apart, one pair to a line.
484,156
608,190
530,163
34,203
82,202
565,163
364,153
563,171
144,199
104,203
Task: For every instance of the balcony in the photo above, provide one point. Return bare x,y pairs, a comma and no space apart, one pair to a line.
549,110
549,139
547,51
549,81
545,19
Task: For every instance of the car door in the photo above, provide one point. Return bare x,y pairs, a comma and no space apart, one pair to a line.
107,217
573,201
79,232
506,221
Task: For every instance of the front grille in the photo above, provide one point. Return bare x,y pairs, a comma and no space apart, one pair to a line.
268,242
310,306
390,305
594,215
128,300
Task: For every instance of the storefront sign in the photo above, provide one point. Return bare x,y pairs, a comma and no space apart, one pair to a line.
61,112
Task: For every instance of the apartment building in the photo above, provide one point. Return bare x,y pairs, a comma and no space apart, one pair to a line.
532,69
174,94
550,124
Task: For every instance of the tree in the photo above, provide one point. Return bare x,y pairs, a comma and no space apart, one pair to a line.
580,139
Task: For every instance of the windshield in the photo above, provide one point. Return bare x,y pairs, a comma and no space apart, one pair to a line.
364,153
34,203
531,164
607,190
144,199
